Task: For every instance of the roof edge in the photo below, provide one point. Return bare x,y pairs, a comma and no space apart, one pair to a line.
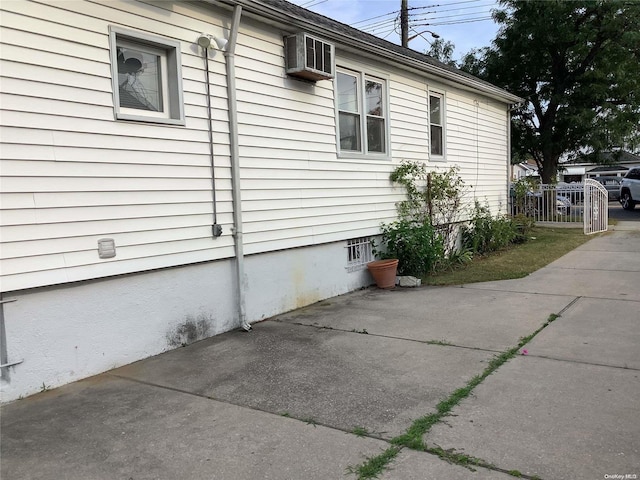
264,10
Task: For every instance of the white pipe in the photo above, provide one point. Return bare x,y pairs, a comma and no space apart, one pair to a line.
509,166
229,54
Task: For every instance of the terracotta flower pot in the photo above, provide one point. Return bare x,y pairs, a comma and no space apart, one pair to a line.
384,272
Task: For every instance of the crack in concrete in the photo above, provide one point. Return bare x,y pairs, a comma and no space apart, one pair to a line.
427,342
581,362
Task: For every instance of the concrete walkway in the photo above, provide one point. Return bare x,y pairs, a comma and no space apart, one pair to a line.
282,401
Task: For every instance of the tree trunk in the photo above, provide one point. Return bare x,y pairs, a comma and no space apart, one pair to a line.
549,167
548,177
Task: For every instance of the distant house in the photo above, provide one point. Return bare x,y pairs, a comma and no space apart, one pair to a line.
608,164
174,170
524,170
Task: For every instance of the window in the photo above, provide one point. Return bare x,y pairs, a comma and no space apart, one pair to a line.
358,253
361,105
436,124
146,77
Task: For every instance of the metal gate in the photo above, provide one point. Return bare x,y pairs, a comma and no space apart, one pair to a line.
567,204
596,207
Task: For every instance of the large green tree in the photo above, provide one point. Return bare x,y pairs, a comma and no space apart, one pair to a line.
442,51
577,65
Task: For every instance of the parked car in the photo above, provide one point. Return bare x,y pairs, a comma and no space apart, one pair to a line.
612,184
533,205
630,188
573,191
563,203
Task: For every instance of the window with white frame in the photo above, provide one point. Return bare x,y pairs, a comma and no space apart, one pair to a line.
359,253
436,124
361,104
146,77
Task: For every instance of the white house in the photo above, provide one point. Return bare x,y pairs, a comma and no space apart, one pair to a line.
148,201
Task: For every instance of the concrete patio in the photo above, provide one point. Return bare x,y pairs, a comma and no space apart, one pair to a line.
282,401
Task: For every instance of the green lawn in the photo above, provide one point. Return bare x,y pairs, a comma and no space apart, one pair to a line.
544,246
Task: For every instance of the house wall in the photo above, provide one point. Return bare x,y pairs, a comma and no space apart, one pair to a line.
69,332
72,175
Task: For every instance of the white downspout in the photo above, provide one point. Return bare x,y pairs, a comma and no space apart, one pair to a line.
509,166
229,54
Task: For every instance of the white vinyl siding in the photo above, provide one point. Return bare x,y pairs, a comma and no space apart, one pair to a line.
72,175
476,139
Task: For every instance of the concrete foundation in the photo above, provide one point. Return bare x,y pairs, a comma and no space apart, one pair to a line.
69,332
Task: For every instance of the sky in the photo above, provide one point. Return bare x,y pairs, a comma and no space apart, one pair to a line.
466,23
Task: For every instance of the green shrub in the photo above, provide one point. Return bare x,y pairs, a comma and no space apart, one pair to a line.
486,233
434,197
523,226
414,243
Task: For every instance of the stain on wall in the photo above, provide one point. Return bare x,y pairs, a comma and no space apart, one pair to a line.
190,330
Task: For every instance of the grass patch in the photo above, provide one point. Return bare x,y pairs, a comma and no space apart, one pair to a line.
544,246
374,466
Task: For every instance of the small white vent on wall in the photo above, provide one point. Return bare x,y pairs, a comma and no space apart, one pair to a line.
309,57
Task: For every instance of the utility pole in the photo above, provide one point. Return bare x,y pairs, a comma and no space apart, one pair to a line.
404,22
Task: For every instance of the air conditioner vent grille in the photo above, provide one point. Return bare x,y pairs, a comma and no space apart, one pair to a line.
309,57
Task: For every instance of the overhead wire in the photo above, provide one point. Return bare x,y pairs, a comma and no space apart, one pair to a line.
379,24
457,22
378,16
490,4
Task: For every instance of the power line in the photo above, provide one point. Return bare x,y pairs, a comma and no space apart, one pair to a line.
446,5
479,19
373,18
438,17
485,9
317,2
389,33
378,24
492,4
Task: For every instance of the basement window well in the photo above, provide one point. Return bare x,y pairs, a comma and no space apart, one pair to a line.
358,253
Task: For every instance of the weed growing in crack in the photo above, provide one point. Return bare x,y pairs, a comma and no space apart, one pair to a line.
439,342
310,421
360,431
458,458
374,466
363,331
413,438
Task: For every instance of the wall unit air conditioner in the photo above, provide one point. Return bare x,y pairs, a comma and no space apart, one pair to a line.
309,57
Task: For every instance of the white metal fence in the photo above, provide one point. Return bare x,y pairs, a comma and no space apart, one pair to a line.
596,207
577,203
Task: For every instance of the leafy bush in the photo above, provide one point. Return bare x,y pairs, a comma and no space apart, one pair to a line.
414,243
433,197
523,226
486,233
